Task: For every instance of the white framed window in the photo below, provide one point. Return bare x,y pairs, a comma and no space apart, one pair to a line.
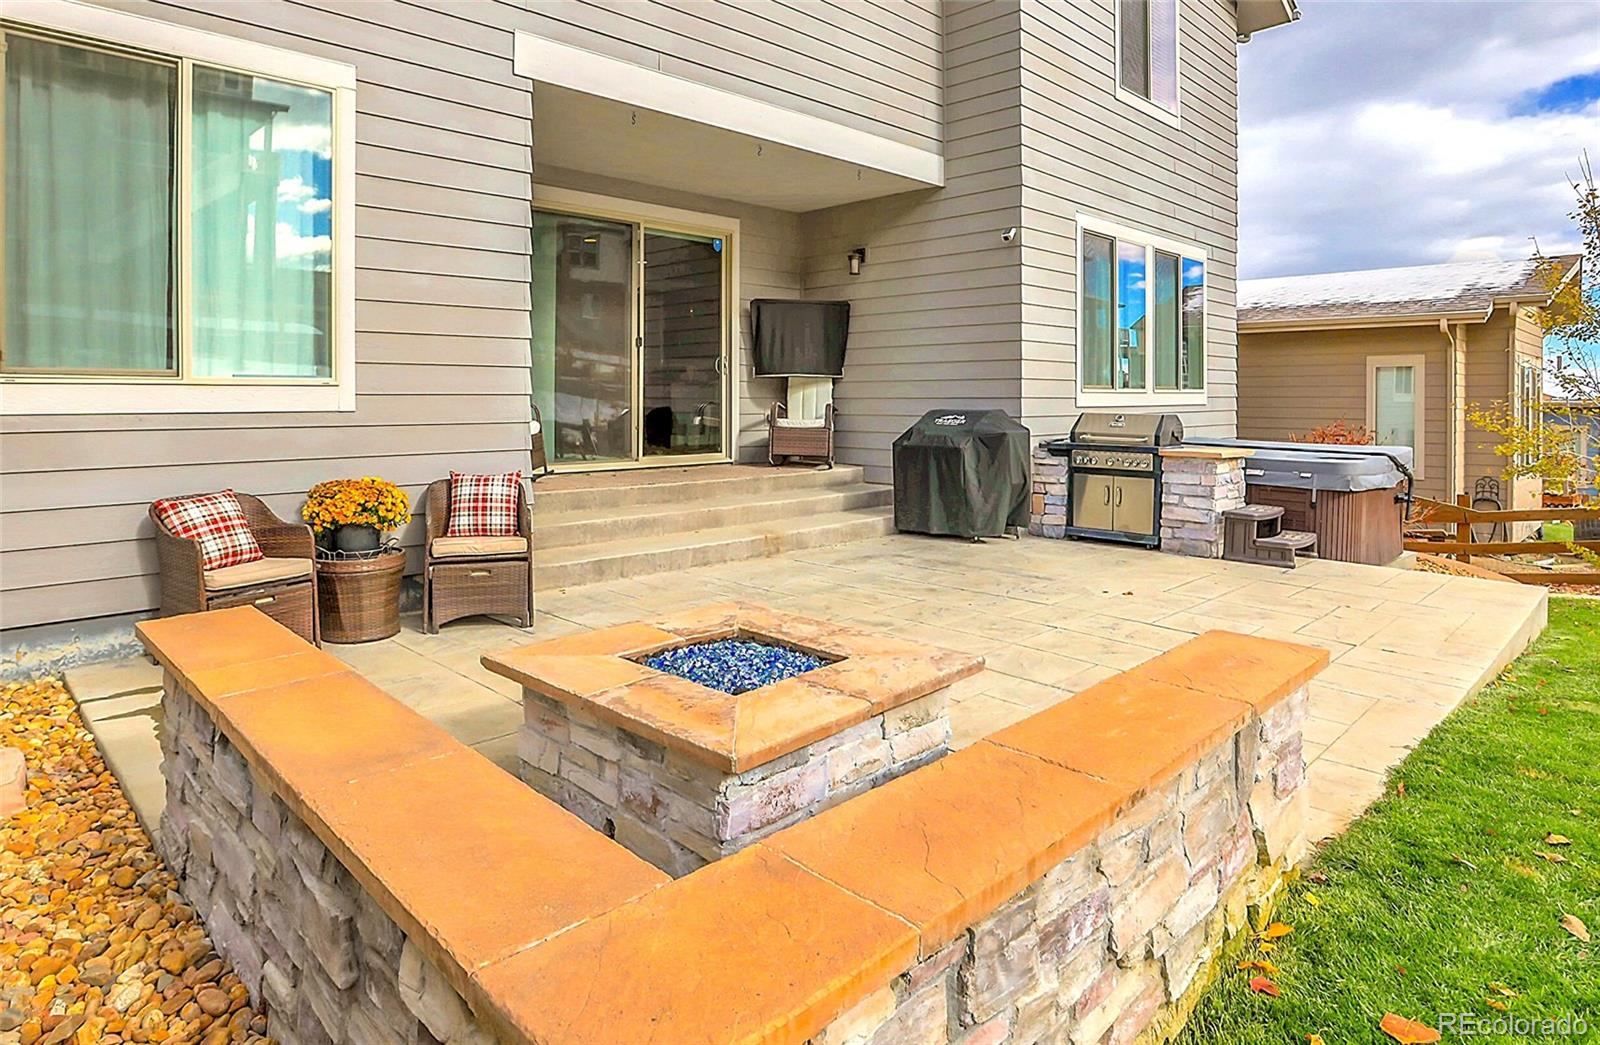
1527,402
1147,56
1396,402
1141,318
178,219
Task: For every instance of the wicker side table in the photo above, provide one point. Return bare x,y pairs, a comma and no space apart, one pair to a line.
360,597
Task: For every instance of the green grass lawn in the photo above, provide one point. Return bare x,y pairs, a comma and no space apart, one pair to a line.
1440,891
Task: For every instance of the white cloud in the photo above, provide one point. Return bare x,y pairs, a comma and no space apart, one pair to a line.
1380,134
316,206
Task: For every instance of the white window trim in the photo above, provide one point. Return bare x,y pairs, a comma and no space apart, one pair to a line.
1418,407
1172,117
23,395
1149,396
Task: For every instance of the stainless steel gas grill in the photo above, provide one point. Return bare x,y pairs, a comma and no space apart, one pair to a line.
1114,475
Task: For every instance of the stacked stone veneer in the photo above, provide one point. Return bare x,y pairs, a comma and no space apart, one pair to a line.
679,812
1074,877
316,951
1115,943
1048,517
1197,487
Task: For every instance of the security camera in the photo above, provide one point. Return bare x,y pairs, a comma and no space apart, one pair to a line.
1008,235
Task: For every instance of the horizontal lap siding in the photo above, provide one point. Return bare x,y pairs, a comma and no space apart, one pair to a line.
1293,382
872,68
1488,383
443,174
936,311
1085,150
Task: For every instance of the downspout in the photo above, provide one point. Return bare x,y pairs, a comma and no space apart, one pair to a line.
1455,406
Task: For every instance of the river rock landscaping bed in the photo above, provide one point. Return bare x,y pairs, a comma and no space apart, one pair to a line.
96,944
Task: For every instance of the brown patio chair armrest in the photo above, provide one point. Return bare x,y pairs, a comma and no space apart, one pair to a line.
435,511
286,541
525,514
182,576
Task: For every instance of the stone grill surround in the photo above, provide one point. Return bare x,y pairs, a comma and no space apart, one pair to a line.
1199,484
1104,807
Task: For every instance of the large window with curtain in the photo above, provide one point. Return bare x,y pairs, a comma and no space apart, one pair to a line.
1147,53
167,219
1141,317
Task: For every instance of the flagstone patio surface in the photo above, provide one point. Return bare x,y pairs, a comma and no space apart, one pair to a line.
1049,617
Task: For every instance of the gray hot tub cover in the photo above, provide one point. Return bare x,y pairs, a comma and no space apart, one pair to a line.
1320,466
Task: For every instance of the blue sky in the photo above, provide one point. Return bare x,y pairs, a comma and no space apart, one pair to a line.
1375,134
1404,133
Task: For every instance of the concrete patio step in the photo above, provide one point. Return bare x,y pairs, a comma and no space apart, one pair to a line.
612,523
611,560
593,491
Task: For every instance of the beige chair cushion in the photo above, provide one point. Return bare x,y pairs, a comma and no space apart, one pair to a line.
260,571
815,422
469,547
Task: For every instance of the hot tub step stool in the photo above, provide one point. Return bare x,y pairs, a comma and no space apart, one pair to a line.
1255,534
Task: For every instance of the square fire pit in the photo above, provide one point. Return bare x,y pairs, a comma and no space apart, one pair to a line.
760,719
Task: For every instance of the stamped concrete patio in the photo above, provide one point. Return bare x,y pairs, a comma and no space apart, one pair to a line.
1050,617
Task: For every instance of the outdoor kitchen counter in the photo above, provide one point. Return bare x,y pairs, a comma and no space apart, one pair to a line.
555,934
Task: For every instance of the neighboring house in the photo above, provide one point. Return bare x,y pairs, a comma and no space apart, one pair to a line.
1405,352
257,245
1580,421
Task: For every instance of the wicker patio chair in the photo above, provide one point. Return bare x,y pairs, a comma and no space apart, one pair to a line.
283,585
468,576
808,439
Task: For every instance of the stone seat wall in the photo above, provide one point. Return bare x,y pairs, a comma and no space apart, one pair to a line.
1069,878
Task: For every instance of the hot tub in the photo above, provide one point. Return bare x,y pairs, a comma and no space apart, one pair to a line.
1353,498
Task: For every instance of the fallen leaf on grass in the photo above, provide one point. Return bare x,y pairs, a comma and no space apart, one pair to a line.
1277,930
1497,1005
1400,789
1260,966
1574,925
1315,1039
1266,947
1555,839
1401,969
1407,1032
1457,858
1500,988
1262,985
1555,858
1319,878
1313,900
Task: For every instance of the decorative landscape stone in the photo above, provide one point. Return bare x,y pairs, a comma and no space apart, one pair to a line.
689,738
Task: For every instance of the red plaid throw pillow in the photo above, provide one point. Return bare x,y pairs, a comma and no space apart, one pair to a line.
483,505
217,522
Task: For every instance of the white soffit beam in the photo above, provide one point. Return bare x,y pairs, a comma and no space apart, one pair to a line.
589,72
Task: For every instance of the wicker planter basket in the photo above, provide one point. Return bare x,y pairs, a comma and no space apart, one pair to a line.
360,598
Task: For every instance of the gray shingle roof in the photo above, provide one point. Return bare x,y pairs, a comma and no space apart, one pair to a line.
1459,286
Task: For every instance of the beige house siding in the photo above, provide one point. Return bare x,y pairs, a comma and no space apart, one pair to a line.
1087,151
1294,381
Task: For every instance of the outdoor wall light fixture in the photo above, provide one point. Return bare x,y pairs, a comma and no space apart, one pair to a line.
857,258
1008,235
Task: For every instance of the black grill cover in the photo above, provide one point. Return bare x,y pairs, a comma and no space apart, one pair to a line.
799,337
962,472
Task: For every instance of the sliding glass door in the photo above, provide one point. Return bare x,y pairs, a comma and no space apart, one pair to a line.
630,341
684,328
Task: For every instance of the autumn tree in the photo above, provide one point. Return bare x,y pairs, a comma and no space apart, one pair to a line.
1541,444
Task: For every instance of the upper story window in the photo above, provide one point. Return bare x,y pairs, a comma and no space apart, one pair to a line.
1142,317
175,220
1147,53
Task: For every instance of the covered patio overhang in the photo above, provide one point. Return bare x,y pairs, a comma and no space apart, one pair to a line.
600,114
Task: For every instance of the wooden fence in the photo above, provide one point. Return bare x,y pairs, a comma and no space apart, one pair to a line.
1464,547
